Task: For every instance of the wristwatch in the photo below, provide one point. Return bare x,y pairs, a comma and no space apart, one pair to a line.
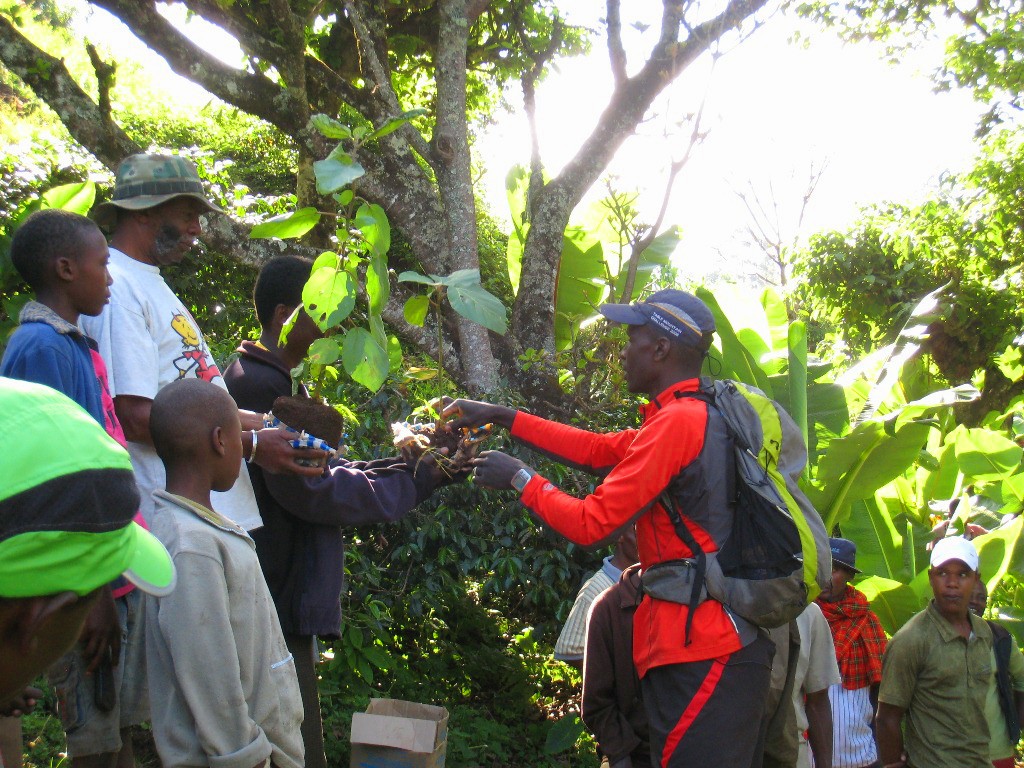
521,478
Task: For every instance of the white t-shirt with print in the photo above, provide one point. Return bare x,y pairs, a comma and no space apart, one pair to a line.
148,339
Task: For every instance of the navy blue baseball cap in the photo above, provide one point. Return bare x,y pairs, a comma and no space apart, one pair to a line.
679,314
844,553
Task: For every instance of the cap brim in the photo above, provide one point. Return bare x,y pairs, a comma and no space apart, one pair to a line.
150,567
954,559
623,313
836,561
105,214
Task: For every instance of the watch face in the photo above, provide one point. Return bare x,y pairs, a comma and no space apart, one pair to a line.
520,479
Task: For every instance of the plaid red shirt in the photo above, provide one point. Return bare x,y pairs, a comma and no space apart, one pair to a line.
858,637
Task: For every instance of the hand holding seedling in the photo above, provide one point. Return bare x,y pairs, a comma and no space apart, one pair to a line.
470,414
251,420
494,469
274,453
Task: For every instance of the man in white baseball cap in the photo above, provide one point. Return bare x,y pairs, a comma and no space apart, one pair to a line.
935,673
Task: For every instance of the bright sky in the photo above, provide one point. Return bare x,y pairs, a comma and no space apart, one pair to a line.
773,110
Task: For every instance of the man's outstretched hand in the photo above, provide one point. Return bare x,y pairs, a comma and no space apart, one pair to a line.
470,414
21,704
494,469
275,453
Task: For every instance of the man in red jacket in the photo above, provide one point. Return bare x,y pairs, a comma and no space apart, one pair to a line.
704,687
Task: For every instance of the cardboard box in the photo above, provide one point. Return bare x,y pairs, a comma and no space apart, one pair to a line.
399,734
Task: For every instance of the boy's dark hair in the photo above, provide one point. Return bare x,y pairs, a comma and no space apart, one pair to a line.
280,282
45,236
184,414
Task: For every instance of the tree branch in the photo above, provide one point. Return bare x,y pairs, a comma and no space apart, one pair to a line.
455,181
50,80
253,93
529,82
616,53
247,34
532,316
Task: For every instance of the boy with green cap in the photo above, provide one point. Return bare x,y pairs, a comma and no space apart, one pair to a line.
66,528
100,685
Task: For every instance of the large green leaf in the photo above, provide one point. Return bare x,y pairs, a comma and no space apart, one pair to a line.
516,189
392,125
858,464
373,223
933,401
460,278
514,259
324,351
329,296
1012,493
896,356
338,169
986,455
737,362
77,198
286,225
415,309
378,288
893,602
364,359
777,316
579,285
479,305
997,551
564,734
797,353
416,277
879,541
755,344
330,127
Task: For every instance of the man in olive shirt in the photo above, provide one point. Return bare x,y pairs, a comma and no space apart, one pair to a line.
936,671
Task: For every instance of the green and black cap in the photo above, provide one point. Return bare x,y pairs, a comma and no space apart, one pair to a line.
67,501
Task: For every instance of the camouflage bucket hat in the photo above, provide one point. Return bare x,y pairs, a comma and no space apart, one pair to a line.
146,181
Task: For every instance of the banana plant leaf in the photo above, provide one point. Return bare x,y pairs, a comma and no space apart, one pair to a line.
737,361
859,463
892,601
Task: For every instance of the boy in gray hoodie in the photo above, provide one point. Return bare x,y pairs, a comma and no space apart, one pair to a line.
222,683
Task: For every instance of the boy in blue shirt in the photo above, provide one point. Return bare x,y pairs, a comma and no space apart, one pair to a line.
100,684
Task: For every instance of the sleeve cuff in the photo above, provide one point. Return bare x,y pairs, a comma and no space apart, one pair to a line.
246,757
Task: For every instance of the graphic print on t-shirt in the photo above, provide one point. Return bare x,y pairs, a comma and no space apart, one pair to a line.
194,358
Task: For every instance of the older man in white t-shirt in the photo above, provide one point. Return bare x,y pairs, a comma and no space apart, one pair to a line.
147,336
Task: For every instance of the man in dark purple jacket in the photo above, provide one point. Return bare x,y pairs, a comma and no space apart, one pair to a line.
300,546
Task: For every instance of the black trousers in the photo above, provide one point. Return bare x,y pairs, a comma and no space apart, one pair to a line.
710,712
303,648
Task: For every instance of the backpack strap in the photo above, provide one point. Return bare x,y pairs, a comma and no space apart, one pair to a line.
1002,645
698,555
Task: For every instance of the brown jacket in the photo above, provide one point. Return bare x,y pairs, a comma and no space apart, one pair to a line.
612,708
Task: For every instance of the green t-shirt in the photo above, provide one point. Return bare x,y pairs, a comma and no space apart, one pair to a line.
941,679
